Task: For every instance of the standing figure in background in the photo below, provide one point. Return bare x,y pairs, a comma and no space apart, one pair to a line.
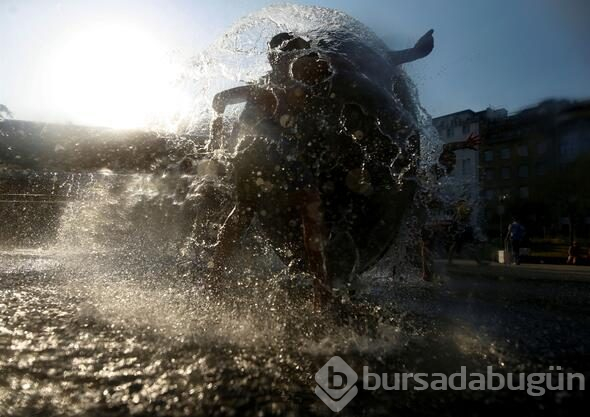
516,233
573,253
462,233
446,163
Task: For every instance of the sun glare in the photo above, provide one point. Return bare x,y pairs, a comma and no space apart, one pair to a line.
113,75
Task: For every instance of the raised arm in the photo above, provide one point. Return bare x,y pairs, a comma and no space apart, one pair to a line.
447,158
221,100
471,142
421,49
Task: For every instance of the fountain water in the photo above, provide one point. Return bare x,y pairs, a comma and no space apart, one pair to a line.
118,329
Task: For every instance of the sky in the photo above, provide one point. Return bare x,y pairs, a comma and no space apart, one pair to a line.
492,53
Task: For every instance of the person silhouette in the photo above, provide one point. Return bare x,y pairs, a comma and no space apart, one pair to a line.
516,232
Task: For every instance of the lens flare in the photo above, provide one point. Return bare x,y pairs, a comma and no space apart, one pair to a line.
115,75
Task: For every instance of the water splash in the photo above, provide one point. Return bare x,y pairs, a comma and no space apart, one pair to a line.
151,218
107,323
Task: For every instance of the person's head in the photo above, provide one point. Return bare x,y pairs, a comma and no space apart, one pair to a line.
280,51
287,42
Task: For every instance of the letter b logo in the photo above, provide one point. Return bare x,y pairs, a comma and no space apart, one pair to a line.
336,383
337,380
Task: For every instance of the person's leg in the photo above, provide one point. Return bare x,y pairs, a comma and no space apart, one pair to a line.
315,239
476,255
228,238
516,251
473,250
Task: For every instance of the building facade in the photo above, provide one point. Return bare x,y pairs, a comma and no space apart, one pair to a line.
464,181
528,164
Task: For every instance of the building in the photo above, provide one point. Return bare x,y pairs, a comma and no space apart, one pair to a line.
526,164
464,181
458,126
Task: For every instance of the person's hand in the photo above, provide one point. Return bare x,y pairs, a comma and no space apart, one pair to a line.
472,141
426,43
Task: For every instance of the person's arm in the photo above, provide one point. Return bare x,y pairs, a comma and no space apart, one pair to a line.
234,95
422,48
447,158
471,142
221,100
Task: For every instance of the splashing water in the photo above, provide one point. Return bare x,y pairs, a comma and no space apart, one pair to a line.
106,322
146,216
149,228
240,56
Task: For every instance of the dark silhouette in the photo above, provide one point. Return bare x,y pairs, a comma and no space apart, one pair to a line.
462,233
516,232
306,131
421,49
573,253
446,163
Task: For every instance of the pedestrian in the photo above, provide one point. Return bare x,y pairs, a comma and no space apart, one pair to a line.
462,233
516,233
573,253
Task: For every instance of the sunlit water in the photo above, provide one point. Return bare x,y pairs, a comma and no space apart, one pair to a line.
85,342
112,319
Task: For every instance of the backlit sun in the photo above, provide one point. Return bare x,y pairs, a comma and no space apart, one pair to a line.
115,75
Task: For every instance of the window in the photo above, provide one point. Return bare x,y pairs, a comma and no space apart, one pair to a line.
541,169
505,173
523,192
541,147
488,156
449,133
505,153
523,150
465,129
523,171
489,174
570,146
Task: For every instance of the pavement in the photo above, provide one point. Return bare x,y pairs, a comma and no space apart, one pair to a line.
461,267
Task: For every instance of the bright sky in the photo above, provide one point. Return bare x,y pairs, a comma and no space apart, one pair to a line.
57,56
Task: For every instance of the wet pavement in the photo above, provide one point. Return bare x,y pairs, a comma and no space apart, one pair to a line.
80,340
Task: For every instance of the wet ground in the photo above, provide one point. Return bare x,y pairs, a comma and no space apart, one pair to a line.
78,339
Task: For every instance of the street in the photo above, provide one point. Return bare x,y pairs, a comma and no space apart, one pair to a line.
111,345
